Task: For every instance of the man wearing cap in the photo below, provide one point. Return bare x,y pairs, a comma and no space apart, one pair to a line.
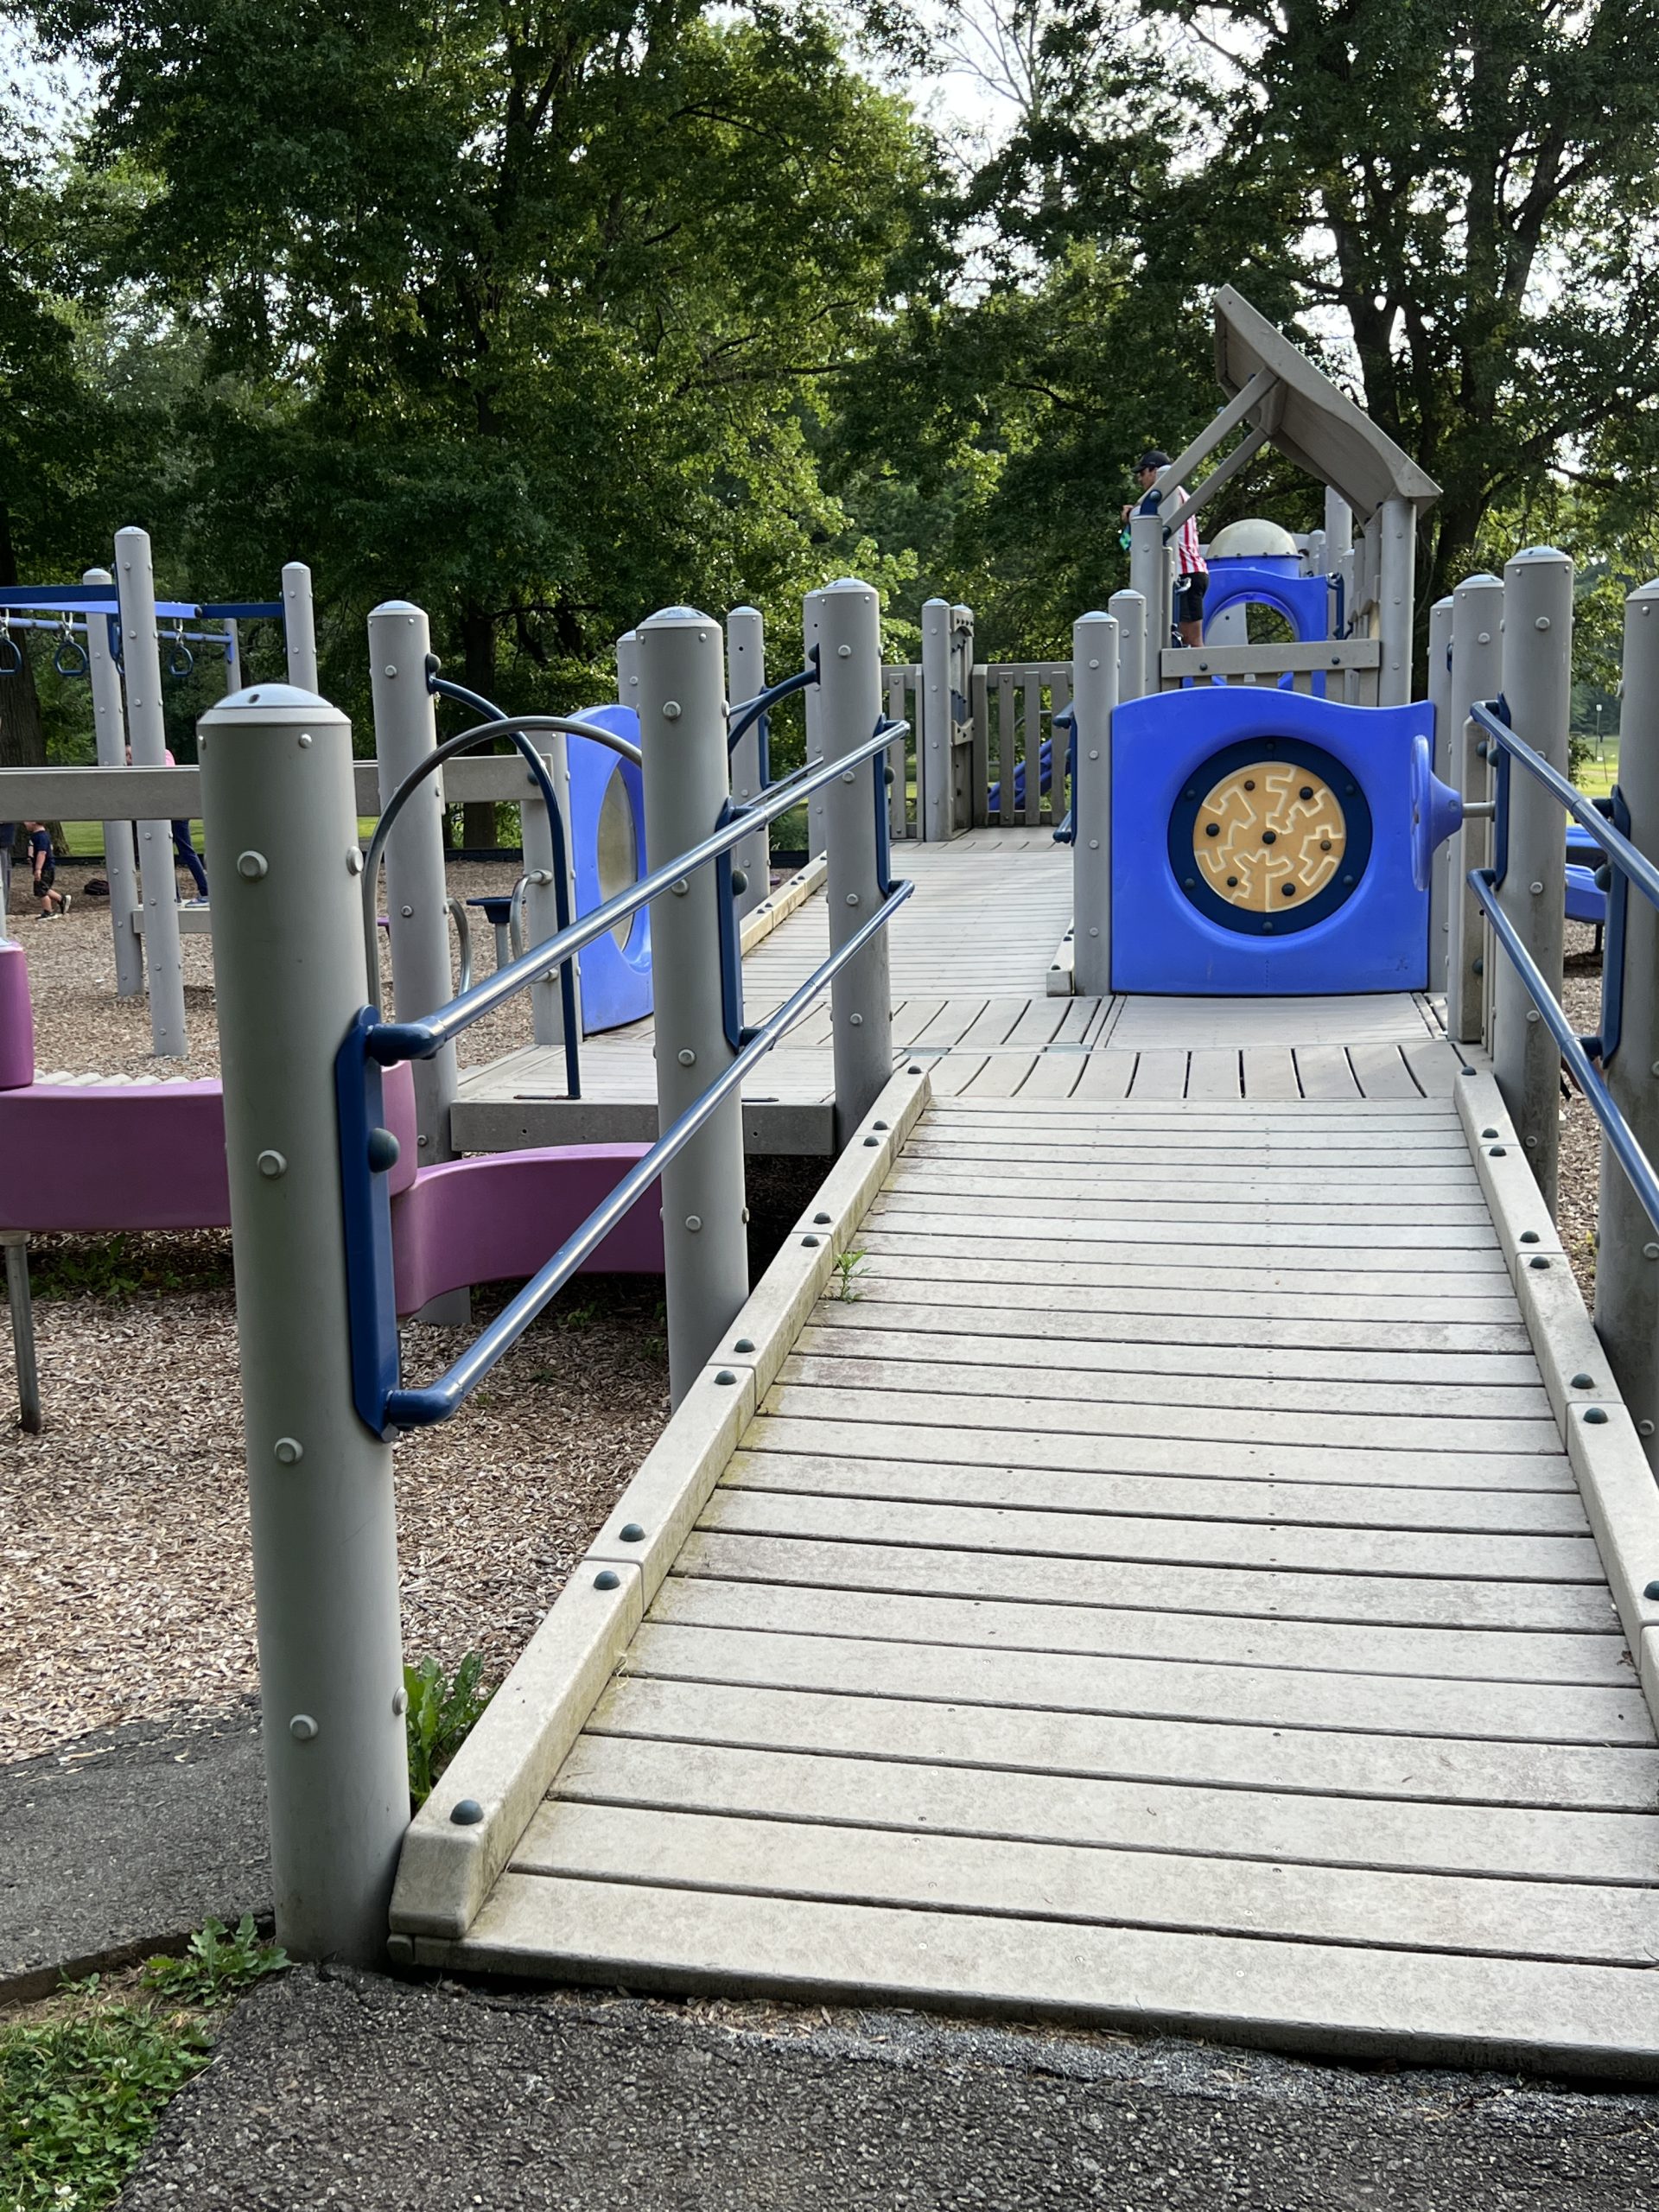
1191,573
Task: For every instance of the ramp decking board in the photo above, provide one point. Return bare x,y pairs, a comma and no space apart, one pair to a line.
1158,1593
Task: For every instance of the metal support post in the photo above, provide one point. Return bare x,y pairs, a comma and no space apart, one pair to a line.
1627,1257
1441,902
1338,527
1129,610
962,797
934,735
119,866
14,1244
141,666
417,895
746,677
849,631
288,965
1094,646
299,625
1313,554
627,670
541,896
1396,584
682,737
1149,575
1537,683
1476,673
232,658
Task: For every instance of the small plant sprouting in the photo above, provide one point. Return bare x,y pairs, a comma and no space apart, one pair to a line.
846,1267
217,1966
440,1714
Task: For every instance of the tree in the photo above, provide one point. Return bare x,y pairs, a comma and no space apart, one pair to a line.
518,310
1466,193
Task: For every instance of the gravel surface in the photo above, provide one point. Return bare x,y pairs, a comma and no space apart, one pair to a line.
125,1583
125,1589
344,2089
81,1027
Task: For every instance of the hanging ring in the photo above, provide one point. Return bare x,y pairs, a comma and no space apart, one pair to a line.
181,660
69,657
12,653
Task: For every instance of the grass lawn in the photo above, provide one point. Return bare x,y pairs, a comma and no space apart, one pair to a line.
86,838
1598,776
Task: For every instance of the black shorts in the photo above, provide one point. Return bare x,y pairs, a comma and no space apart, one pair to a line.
1189,598
46,879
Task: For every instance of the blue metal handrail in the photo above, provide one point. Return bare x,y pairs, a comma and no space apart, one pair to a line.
1066,829
1628,866
368,1150
743,716
419,1040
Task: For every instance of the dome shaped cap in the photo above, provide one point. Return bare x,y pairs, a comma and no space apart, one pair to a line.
1252,540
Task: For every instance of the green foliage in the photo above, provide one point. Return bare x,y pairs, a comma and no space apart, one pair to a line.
217,1966
846,1267
125,1266
79,2093
441,1710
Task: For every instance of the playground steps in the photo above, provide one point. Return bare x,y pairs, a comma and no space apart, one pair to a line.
1159,1598
970,953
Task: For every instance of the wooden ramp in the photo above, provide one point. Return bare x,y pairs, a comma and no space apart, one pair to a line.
1161,1597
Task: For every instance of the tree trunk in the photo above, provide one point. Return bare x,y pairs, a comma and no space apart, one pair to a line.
22,737
477,653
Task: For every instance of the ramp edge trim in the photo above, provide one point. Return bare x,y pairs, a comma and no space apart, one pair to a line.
1607,1458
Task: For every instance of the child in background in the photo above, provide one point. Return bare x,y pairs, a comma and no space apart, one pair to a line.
43,872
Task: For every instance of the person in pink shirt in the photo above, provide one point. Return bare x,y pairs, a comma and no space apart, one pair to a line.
1191,570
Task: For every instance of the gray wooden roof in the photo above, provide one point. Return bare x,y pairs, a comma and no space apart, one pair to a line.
1307,418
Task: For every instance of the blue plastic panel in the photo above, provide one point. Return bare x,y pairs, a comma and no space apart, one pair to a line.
615,978
1305,602
1371,935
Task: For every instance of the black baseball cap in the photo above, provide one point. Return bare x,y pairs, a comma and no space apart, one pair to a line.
1154,457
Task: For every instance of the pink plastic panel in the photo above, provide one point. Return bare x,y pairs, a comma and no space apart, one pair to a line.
104,1156
16,1019
503,1215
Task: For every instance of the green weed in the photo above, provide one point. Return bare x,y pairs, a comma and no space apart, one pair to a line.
847,1265
80,2093
217,1966
440,1714
124,1266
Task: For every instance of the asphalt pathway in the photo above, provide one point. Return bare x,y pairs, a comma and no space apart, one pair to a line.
348,2089
121,1842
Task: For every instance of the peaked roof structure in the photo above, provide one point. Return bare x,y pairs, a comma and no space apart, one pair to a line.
1307,418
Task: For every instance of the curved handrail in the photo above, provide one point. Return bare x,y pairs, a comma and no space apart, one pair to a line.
1581,1054
464,935
418,1040
504,726
748,712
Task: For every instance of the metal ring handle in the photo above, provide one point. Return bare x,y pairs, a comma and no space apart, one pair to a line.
12,653
464,933
69,657
540,877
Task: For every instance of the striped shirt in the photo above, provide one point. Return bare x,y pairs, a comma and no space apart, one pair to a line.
1188,562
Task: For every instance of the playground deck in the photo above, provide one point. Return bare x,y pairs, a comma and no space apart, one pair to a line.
971,954
1160,1597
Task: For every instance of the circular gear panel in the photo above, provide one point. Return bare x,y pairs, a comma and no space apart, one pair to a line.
1269,836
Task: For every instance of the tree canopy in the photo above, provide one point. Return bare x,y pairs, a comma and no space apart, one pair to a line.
545,312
